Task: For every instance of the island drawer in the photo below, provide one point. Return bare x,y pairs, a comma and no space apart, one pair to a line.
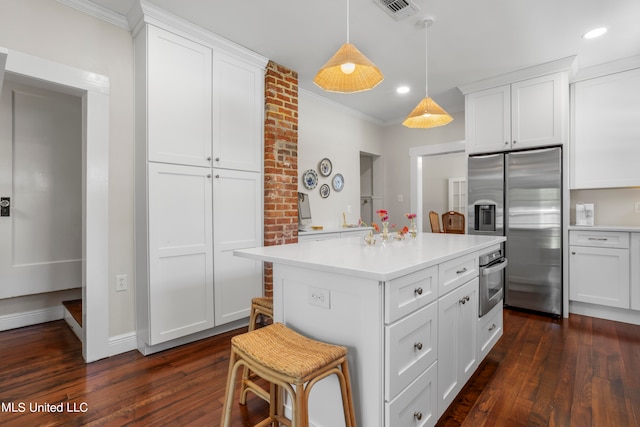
489,330
411,347
456,272
604,239
417,405
409,293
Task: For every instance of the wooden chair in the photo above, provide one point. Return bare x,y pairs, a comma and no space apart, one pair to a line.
453,222
293,363
434,219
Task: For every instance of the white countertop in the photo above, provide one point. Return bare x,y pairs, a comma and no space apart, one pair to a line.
628,228
380,262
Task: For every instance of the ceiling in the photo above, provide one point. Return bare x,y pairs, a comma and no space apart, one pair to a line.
470,40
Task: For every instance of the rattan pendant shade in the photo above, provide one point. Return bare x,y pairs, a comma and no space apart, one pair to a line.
332,78
428,114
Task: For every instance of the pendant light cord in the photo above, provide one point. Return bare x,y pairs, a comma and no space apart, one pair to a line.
426,60
347,21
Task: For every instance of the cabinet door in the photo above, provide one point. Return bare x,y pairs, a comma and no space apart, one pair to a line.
180,256
634,255
417,405
238,104
539,111
178,99
237,224
457,334
606,131
599,276
488,120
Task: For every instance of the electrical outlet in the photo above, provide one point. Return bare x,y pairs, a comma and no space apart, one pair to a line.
637,207
121,282
320,297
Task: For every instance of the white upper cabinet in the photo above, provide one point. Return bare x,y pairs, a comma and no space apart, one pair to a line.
238,99
179,105
528,113
605,143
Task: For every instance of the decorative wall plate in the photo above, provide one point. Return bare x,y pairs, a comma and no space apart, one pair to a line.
310,179
338,182
325,167
325,190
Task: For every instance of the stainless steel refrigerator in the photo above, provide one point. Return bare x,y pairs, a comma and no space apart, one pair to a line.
519,195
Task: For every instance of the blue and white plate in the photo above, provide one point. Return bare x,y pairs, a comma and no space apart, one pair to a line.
310,179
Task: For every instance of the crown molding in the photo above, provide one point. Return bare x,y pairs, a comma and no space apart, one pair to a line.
568,64
98,11
612,67
144,12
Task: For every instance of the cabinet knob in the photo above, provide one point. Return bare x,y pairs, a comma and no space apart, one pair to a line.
514,141
209,159
573,253
208,175
493,326
418,346
217,159
464,300
506,143
417,415
418,291
217,176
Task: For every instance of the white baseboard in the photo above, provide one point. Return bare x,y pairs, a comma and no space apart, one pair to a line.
28,318
602,312
122,343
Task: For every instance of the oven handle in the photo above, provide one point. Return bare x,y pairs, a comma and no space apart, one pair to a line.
495,268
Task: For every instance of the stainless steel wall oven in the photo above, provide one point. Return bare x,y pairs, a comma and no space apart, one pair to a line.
492,265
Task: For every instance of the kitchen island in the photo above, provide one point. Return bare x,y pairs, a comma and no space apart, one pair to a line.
407,310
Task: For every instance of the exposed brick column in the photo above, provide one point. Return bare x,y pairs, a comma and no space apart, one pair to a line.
280,161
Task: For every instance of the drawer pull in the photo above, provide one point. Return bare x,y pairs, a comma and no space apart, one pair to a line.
417,415
464,270
418,291
601,239
492,327
573,253
464,300
418,346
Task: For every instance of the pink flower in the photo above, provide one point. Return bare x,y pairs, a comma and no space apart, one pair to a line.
410,215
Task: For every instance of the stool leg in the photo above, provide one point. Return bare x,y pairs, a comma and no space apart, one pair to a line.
347,396
228,397
246,373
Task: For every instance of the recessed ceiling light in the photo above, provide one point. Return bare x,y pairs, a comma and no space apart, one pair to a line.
403,89
594,33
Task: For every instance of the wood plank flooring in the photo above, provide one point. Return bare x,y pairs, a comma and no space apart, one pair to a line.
543,372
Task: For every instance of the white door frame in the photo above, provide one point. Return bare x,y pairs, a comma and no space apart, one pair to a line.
93,89
416,154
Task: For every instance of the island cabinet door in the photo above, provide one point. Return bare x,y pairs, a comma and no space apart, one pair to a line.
417,405
457,333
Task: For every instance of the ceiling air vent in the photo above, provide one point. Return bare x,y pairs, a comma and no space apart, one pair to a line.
398,9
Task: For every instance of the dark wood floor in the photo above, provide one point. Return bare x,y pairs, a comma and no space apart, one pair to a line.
543,372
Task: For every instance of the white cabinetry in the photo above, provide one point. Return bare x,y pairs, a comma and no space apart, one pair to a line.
177,75
635,271
180,252
528,113
457,333
606,131
599,268
194,100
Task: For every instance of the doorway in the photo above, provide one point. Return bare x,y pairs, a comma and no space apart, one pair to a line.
420,157
93,91
370,186
41,179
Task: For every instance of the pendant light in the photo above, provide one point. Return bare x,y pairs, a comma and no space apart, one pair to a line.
428,113
348,70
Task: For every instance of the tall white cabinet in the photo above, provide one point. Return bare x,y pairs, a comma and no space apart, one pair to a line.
523,109
198,193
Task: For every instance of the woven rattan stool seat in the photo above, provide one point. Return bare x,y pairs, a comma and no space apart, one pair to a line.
291,363
295,356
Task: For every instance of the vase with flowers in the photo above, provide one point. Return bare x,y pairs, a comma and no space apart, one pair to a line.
413,230
384,219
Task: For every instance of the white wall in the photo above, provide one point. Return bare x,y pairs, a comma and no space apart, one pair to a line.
50,30
328,130
397,141
436,171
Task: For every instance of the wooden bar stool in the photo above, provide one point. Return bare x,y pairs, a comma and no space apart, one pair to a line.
291,362
261,306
